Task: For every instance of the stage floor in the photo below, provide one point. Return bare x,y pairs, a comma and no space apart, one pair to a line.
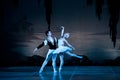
68,73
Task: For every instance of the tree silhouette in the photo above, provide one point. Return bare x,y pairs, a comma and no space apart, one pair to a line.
48,9
113,8
99,4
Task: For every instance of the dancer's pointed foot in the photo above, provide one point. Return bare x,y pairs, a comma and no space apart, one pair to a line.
80,57
40,71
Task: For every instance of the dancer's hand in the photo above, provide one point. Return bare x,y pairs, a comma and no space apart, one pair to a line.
34,50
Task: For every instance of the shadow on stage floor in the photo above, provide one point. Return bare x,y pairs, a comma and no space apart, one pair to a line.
68,73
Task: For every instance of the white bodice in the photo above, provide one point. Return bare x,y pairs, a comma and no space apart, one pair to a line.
60,42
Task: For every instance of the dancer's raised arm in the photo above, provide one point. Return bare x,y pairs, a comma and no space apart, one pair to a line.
62,32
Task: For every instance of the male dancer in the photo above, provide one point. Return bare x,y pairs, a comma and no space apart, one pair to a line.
64,49
52,43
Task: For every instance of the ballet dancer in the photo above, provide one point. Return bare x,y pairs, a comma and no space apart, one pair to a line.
52,43
62,49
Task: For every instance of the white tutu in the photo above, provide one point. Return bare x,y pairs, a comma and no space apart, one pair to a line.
62,49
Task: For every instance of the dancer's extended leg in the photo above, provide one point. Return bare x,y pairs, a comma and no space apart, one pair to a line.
71,54
45,61
61,62
54,56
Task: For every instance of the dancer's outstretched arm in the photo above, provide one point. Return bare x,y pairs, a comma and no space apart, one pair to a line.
41,45
62,32
69,44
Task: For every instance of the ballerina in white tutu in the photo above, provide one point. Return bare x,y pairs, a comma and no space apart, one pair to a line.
62,49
